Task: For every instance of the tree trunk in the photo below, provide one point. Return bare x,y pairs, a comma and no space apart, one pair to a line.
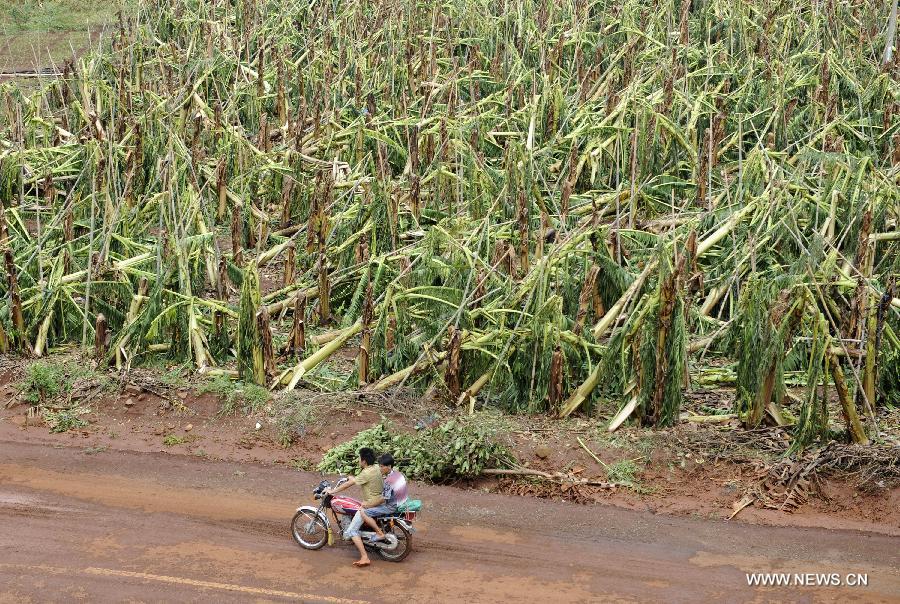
265,336
366,338
452,375
18,318
299,332
101,338
891,36
848,407
290,262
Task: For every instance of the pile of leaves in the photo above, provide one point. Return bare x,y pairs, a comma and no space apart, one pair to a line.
456,449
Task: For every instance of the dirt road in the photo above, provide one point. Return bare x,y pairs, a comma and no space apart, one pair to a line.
119,526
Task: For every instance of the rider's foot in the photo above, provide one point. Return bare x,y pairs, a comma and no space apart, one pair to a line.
362,562
377,537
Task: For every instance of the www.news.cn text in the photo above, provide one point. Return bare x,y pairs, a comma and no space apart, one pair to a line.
807,579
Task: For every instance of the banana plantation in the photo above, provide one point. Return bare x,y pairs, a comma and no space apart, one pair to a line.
573,207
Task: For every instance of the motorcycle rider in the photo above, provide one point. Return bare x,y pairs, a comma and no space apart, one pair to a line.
393,494
371,483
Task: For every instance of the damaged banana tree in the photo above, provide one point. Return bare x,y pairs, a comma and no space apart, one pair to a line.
552,208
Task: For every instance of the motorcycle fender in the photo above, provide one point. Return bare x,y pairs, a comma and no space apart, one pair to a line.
323,517
405,524
315,511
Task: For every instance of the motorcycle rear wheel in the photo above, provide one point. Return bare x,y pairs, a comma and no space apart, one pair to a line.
404,545
309,530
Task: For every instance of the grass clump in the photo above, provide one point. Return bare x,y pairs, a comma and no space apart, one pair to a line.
48,380
44,380
622,472
302,464
63,420
236,396
455,449
296,419
172,440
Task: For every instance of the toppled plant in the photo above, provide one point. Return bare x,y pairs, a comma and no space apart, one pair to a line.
495,236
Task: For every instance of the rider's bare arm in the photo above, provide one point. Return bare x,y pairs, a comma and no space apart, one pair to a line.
349,483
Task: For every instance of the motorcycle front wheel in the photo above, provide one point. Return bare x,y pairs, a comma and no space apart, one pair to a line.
309,530
404,544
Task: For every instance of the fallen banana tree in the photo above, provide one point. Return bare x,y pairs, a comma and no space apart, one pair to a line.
550,207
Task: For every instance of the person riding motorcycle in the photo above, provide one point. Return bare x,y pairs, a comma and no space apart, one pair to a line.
371,483
393,494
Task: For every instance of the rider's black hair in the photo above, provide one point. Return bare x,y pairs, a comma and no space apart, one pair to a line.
386,460
367,455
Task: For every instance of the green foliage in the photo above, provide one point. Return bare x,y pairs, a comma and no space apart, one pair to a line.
175,377
564,135
623,471
889,365
657,343
249,350
55,15
455,449
762,339
46,380
236,396
171,440
43,381
344,457
63,420
813,421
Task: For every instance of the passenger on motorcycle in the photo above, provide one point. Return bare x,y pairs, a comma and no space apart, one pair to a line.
372,485
393,494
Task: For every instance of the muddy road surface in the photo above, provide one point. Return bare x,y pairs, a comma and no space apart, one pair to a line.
115,526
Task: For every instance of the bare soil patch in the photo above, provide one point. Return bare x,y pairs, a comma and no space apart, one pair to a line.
684,471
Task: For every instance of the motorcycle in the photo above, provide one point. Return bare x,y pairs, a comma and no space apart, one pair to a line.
311,527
